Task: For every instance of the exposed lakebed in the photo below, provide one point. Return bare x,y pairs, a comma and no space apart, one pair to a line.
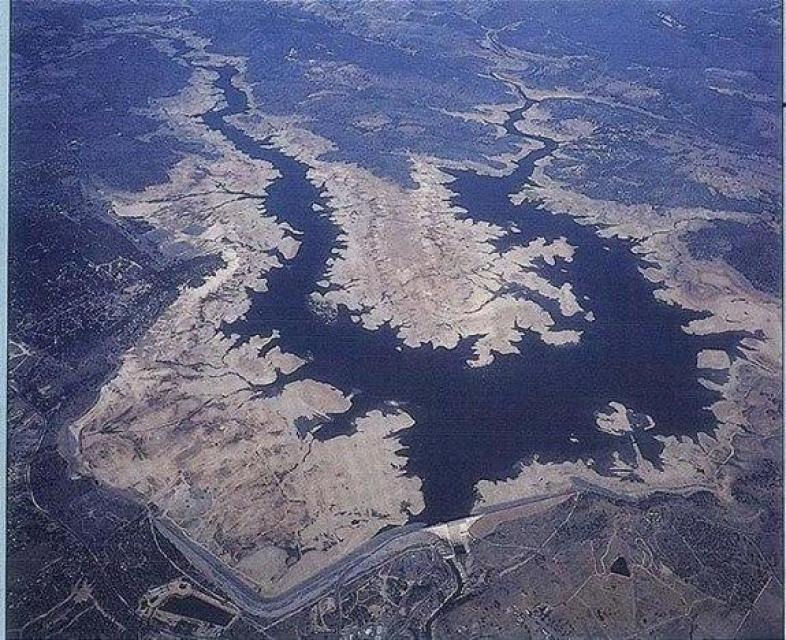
478,423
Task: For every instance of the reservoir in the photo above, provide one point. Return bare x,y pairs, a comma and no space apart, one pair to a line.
479,423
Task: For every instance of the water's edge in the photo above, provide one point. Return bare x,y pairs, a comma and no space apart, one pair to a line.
474,424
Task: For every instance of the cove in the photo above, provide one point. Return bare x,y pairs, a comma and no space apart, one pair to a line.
474,424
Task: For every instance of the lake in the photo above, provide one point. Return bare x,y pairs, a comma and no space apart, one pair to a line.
479,423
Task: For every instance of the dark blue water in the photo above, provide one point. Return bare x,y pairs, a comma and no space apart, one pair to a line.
479,423
193,607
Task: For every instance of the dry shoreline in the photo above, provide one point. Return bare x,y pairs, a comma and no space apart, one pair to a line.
409,261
